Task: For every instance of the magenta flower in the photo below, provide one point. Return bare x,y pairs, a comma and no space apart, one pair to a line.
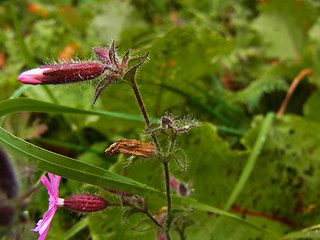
78,202
54,201
62,73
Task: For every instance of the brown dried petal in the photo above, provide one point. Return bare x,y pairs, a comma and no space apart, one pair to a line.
131,147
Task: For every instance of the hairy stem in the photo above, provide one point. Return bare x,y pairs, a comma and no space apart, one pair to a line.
152,218
166,172
144,113
165,164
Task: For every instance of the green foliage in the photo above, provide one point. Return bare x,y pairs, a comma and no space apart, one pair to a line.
221,62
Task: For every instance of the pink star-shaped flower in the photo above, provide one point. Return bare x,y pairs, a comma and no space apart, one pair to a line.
54,202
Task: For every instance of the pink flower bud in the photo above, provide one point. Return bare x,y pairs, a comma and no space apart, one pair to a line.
62,73
85,203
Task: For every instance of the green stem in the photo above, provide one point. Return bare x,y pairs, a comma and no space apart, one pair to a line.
152,218
144,113
167,178
165,164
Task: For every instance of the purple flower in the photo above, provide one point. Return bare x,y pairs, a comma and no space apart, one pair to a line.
62,73
54,201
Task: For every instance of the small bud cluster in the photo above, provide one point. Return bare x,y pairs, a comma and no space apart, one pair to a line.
172,127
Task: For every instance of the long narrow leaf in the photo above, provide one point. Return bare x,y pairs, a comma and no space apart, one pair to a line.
32,105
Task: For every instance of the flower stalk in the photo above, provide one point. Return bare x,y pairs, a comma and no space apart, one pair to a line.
162,159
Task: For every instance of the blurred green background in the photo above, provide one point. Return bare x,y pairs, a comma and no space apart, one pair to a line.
225,63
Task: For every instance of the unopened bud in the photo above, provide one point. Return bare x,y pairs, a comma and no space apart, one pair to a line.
131,147
85,203
6,214
62,73
8,182
179,188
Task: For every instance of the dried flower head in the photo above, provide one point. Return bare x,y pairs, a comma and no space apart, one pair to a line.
131,147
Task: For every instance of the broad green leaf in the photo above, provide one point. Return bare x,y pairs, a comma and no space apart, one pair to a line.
282,25
304,234
285,182
311,106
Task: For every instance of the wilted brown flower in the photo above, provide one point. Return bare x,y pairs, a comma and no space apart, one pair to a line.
131,147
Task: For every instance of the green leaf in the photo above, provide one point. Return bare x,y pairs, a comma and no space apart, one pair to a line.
83,223
311,106
129,212
285,182
31,105
304,234
282,25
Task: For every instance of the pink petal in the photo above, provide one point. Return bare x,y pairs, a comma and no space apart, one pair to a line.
33,76
53,191
44,224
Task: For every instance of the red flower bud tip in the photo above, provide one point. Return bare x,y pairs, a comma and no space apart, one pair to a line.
62,73
85,203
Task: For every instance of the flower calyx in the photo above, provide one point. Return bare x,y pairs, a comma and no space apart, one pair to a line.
116,69
172,127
